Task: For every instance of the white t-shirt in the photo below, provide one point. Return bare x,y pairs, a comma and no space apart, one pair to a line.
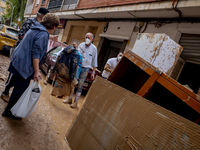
89,55
112,62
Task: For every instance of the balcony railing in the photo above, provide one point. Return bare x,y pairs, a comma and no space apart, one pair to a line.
54,4
69,4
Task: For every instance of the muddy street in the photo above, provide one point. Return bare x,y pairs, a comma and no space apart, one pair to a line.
45,129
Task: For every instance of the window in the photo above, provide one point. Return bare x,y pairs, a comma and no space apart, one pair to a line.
12,32
1,26
43,2
37,2
56,52
55,3
2,9
69,4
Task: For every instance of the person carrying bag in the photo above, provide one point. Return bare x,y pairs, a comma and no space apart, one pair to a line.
26,59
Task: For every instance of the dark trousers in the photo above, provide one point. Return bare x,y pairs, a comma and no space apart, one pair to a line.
20,85
9,84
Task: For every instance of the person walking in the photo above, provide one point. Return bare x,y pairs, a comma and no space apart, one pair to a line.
65,68
89,59
25,27
111,64
26,58
78,71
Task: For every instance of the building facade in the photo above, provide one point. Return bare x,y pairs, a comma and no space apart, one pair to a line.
32,7
116,25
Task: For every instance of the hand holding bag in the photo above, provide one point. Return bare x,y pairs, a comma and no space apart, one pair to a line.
27,102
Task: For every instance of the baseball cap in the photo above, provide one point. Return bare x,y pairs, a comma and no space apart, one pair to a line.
43,10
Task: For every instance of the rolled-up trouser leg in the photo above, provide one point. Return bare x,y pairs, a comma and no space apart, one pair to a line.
81,80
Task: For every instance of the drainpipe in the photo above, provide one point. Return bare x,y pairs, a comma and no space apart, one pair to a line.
76,10
175,8
78,15
48,4
77,2
61,7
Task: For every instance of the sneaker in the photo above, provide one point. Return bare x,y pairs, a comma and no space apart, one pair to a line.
74,105
10,115
68,101
5,97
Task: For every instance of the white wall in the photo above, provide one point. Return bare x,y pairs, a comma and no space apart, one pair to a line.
173,30
119,31
120,28
130,30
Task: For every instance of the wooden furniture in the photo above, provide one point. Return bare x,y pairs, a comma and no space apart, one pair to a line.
166,91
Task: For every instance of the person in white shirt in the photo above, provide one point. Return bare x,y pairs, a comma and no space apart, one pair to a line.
89,60
110,65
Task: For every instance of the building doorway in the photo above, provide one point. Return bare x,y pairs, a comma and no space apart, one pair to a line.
109,49
187,70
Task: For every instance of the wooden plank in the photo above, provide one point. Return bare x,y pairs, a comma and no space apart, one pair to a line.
148,84
180,94
190,98
198,120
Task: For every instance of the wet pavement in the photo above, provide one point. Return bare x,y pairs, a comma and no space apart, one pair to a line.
45,129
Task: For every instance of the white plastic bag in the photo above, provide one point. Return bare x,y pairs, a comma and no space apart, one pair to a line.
27,102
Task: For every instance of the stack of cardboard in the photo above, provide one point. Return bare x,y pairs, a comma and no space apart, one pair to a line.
115,114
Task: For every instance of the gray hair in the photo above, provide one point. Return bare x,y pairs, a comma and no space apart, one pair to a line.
39,14
91,34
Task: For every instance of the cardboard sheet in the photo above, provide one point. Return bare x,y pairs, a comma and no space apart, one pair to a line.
113,118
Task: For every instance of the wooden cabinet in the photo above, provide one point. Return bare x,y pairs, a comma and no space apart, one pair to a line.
137,75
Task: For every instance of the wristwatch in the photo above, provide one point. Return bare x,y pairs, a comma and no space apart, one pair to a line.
93,72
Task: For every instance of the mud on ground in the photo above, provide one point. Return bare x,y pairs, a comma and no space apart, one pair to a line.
45,129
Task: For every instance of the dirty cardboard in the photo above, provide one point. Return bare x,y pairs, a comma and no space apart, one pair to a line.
114,118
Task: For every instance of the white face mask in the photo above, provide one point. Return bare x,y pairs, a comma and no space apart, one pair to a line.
87,41
119,58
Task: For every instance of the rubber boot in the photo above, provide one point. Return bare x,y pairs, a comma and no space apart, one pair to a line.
68,101
75,103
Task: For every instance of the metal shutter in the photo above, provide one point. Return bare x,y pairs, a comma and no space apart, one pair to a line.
191,47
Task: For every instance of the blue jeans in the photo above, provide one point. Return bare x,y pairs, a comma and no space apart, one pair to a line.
82,77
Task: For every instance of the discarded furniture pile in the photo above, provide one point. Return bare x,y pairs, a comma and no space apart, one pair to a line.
139,106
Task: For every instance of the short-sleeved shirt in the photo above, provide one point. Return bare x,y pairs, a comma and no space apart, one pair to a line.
89,55
112,62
